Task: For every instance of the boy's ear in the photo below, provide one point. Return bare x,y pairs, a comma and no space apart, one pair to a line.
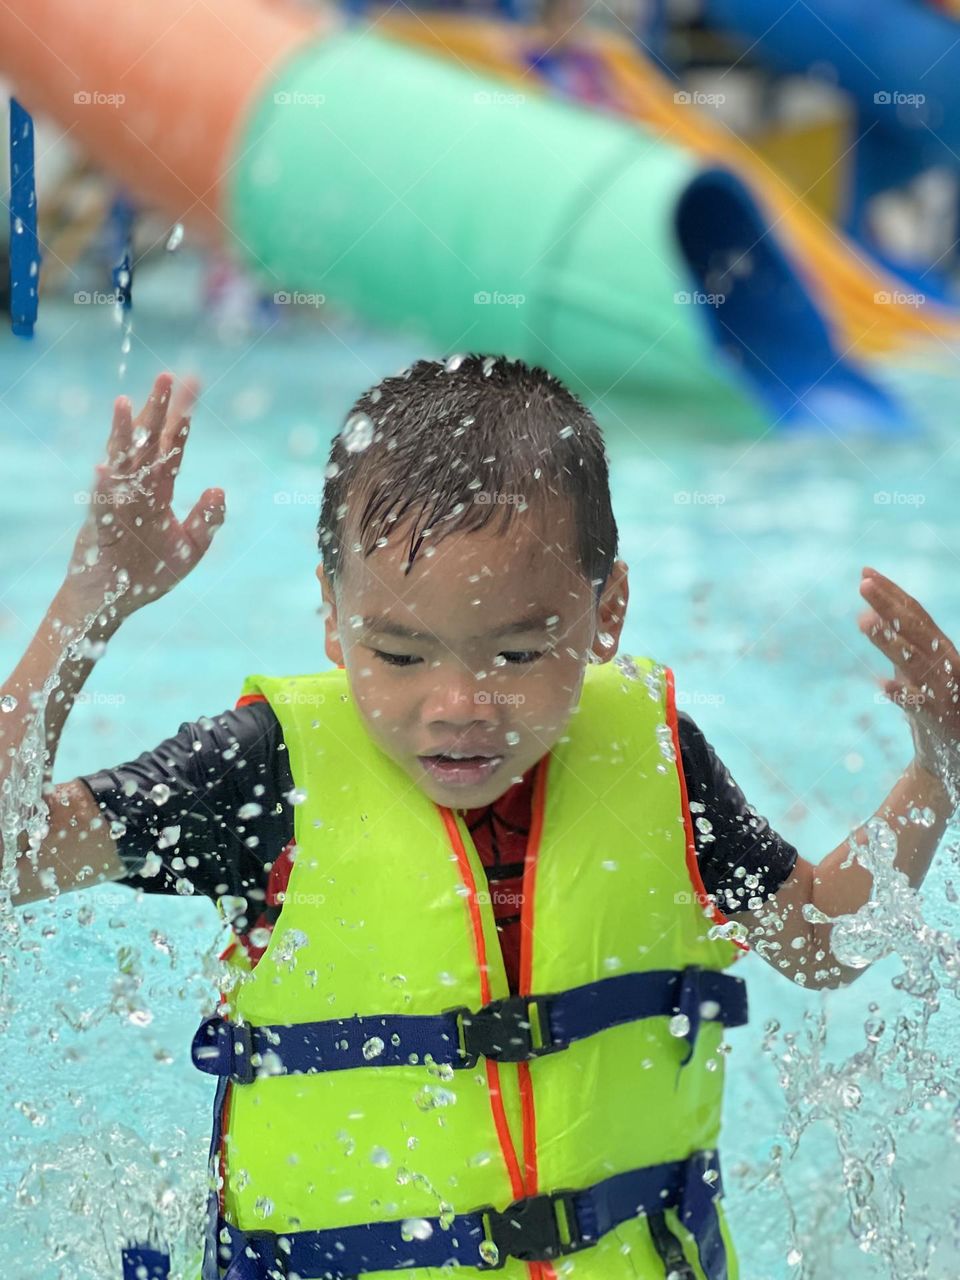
332,644
612,610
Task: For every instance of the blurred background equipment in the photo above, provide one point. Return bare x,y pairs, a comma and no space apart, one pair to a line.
681,201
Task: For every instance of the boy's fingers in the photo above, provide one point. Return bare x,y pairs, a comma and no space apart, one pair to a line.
154,412
118,446
892,644
893,602
208,514
181,403
167,471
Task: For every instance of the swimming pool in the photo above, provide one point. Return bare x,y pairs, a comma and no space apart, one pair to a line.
745,560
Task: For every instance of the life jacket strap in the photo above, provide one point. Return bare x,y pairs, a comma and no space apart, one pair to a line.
511,1030
537,1228
144,1261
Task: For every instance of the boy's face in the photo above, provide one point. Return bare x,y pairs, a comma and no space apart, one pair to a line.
465,679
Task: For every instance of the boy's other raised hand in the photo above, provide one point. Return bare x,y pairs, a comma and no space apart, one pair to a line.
131,540
926,680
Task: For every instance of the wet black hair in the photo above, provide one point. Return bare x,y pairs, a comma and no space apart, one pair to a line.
461,443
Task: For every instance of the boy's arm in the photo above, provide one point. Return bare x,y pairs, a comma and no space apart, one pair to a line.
130,551
799,947
790,930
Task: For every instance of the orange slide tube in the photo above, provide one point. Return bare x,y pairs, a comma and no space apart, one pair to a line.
100,69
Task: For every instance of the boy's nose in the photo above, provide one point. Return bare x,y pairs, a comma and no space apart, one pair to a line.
460,699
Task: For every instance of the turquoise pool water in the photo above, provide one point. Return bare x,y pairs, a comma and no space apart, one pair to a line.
745,559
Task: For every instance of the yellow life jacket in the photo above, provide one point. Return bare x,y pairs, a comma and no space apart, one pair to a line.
384,1102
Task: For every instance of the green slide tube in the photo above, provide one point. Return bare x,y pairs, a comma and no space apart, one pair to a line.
420,194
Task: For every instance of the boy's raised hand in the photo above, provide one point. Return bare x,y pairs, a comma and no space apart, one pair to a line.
926,680
131,538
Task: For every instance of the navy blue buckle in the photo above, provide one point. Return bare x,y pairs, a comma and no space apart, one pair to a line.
271,1256
223,1048
510,1030
669,1248
534,1229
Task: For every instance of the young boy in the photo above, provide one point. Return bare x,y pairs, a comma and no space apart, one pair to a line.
475,871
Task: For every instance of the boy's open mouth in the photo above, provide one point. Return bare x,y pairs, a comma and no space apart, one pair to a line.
454,769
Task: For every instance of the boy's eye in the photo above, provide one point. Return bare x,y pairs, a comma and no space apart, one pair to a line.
395,659
517,656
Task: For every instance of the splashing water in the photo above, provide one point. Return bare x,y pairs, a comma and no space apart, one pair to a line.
872,1100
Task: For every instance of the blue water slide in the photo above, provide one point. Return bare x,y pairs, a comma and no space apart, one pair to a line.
764,320
899,60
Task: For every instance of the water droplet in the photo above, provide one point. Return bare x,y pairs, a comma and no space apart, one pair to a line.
679,1025
665,743
794,1258
512,737
8,702
488,364
372,1048
415,1229
380,1157
874,1028
263,1207
357,433
160,793
295,796
175,239
168,837
251,810
851,1095
332,469
432,1096
454,363
489,1252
